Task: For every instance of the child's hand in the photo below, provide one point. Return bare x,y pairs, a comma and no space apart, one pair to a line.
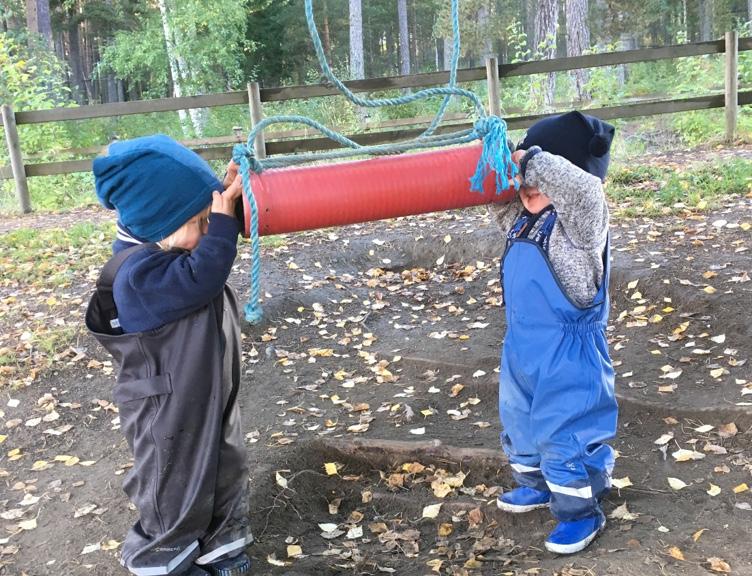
232,172
517,156
225,203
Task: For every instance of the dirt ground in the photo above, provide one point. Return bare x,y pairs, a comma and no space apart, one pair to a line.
385,334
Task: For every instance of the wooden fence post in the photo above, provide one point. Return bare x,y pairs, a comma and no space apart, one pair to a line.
492,79
257,115
16,160
732,84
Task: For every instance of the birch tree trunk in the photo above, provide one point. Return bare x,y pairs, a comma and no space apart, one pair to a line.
357,65
404,37
578,41
177,81
487,48
546,24
448,50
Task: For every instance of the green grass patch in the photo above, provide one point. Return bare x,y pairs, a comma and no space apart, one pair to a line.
275,241
53,257
652,190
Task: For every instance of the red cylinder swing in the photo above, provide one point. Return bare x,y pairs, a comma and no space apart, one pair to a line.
312,197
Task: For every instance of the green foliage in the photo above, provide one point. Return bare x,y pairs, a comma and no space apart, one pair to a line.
30,78
53,193
140,57
209,36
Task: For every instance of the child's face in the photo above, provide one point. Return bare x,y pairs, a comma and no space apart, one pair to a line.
189,234
533,200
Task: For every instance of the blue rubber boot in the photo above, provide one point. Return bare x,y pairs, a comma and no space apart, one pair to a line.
571,537
523,499
236,566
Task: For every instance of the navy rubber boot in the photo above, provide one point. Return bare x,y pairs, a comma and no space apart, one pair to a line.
236,566
523,499
195,571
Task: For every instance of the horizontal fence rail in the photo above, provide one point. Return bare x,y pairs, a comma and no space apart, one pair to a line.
291,142
374,84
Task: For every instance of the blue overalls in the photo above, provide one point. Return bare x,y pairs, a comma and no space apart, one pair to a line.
556,395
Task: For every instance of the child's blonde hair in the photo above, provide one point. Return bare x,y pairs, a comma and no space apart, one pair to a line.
201,219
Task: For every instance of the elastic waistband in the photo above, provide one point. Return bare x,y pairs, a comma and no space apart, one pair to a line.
580,327
564,327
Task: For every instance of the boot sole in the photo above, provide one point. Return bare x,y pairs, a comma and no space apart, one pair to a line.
518,508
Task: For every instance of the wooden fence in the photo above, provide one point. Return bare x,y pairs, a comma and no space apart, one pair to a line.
292,142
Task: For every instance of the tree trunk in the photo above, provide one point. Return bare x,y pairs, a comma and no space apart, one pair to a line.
177,88
530,19
74,54
684,26
110,92
578,41
404,37
357,65
448,49
483,17
88,61
38,19
626,42
546,24
415,52
327,39
706,20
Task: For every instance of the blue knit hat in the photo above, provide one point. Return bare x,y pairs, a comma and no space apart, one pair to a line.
583,140
155,184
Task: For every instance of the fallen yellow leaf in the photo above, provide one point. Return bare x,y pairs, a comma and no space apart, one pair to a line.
431,511
294,551
674,552
719,565
675,483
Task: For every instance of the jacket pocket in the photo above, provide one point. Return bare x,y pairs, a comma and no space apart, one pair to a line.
143,388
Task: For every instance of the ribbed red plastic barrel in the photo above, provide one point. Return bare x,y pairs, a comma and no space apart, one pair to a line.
312,197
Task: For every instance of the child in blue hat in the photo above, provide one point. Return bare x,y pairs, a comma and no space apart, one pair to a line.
164,311
556,394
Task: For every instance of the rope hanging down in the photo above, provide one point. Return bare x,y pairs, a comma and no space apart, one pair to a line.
492,130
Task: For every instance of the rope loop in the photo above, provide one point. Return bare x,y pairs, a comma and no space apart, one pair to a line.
243,152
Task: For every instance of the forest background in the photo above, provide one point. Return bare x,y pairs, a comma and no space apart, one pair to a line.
76,52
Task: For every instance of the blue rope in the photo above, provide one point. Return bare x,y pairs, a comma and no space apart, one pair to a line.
495,156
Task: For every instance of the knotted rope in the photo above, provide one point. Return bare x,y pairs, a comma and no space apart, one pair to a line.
492,130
